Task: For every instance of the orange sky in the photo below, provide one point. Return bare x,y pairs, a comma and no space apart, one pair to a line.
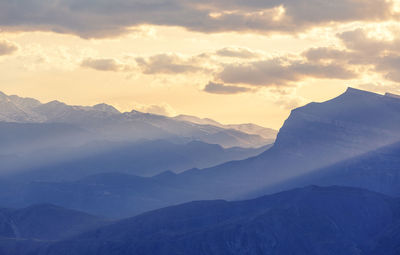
249,75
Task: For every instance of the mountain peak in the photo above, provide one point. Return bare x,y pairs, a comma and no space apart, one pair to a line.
360,92
106,108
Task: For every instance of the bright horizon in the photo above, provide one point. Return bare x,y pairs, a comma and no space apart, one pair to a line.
251,63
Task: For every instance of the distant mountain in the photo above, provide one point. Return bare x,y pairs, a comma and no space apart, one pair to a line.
248,128
136,158
45,222
311,220
108,123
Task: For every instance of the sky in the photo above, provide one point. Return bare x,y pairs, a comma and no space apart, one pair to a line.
235,61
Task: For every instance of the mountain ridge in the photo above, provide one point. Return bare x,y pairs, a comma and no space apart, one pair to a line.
108,122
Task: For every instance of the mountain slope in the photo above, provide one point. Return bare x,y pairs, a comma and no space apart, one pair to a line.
310,220
378,170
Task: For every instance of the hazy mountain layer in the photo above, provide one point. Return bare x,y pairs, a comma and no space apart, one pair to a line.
144,158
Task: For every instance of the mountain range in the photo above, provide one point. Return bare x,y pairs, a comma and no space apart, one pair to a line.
107,123
314,146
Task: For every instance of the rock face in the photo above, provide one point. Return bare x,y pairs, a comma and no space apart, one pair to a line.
307,221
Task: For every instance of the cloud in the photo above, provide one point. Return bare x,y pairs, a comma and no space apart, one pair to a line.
167,64
159,109
237,53
381,87
281,72
374,54
102,18
326,54
7,48
104,64
217,88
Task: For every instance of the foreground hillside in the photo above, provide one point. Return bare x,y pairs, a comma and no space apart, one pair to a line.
312,220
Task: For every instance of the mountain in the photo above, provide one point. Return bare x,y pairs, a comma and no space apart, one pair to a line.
108,123
16,109
313,137
311,220
135,158
248,128
45,222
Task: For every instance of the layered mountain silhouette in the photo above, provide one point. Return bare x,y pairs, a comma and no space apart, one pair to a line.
314,146
311,220
344,154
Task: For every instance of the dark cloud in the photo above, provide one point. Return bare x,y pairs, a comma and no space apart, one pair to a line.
103,18
277,72
389,66
167,64
374,54
381,87
237,53
7,48
218,88
103,64
325,54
